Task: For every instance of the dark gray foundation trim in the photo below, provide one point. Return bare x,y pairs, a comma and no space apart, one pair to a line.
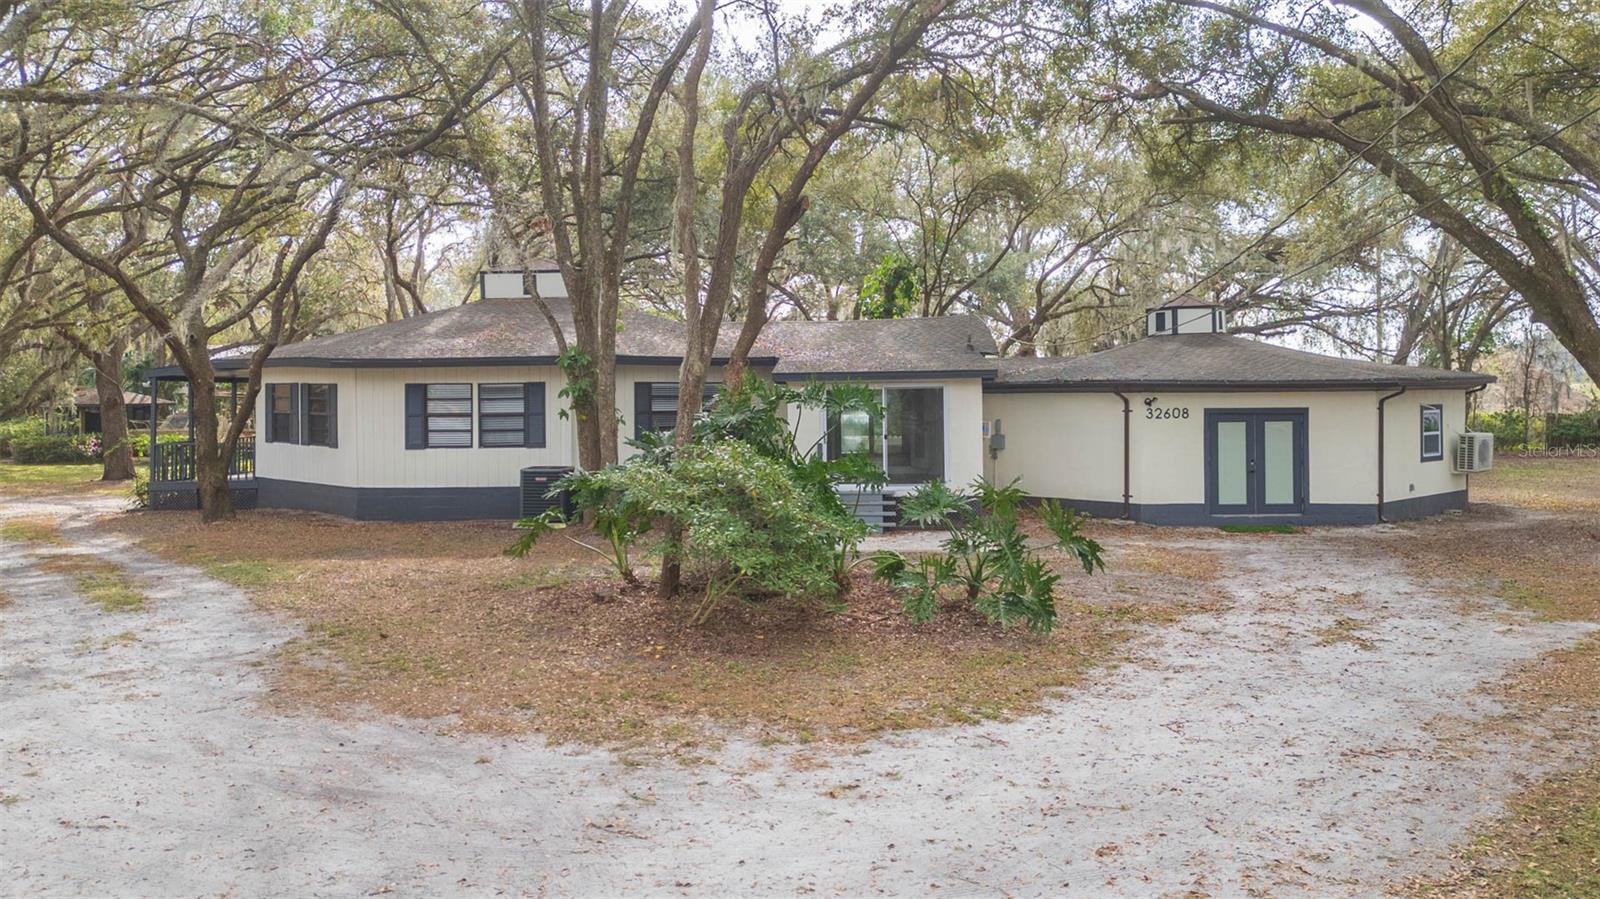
391,503
1196,515
464,503
1424,506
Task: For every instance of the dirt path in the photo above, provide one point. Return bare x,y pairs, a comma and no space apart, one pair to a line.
1245,754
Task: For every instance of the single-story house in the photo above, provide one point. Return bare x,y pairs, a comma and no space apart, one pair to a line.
439,416
86,403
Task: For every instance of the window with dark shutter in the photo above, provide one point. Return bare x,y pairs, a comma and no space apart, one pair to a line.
280,413
656,405
320,420
448,415
502,415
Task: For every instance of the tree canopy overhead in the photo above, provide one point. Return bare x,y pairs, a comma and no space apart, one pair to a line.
1409,184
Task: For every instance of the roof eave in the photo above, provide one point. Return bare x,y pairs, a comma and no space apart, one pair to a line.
1078,386
931,374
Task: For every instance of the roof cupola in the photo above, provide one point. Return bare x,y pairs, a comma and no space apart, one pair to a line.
1186,314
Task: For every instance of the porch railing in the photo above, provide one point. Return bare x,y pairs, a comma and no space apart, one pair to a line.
171,462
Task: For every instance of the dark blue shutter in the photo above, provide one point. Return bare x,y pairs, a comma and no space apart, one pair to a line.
641,408
416,399
296,412
333,414
272,437
533,414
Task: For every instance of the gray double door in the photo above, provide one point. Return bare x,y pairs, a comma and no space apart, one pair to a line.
1256,461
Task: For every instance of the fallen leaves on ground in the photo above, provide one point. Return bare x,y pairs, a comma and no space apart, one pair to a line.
431,620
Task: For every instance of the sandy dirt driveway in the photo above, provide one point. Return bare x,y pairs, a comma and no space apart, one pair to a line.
1241,753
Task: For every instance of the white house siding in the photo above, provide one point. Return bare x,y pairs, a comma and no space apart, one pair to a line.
336,466
372,447
372,441
1069,445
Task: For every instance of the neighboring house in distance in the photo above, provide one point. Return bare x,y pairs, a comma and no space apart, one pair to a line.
86,402
437,416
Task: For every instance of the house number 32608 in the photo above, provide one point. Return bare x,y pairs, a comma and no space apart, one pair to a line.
1166,412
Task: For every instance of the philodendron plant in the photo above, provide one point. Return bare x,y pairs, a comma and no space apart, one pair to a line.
987,556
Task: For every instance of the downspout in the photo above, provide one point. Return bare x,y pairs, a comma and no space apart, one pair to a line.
1381,401
1127,455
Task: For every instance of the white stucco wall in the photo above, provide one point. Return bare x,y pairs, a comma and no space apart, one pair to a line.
1060,444
1070,444
1405,474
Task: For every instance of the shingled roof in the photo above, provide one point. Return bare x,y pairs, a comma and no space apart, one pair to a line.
488,332
513,331
1219,361
947,344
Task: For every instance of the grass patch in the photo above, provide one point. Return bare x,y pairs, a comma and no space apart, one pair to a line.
43,480
1346,630
125,638
1549,485
432,620
1548,844
1529,598
249,573
31,530
1546,847
7,800
105,584
1259,529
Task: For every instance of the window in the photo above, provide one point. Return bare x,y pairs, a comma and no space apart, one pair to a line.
438,415
321,426
655,405
307,414
1432,433
511,414
1161,321
907,440
281,417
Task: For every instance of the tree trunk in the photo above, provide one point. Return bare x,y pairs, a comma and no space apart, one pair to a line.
117,451
210,464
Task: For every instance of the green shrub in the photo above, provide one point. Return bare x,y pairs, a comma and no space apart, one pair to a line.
1573,429
1509,427
53,449
988,555
18,427
752,513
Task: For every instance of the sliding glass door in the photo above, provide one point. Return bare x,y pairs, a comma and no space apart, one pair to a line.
907,440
